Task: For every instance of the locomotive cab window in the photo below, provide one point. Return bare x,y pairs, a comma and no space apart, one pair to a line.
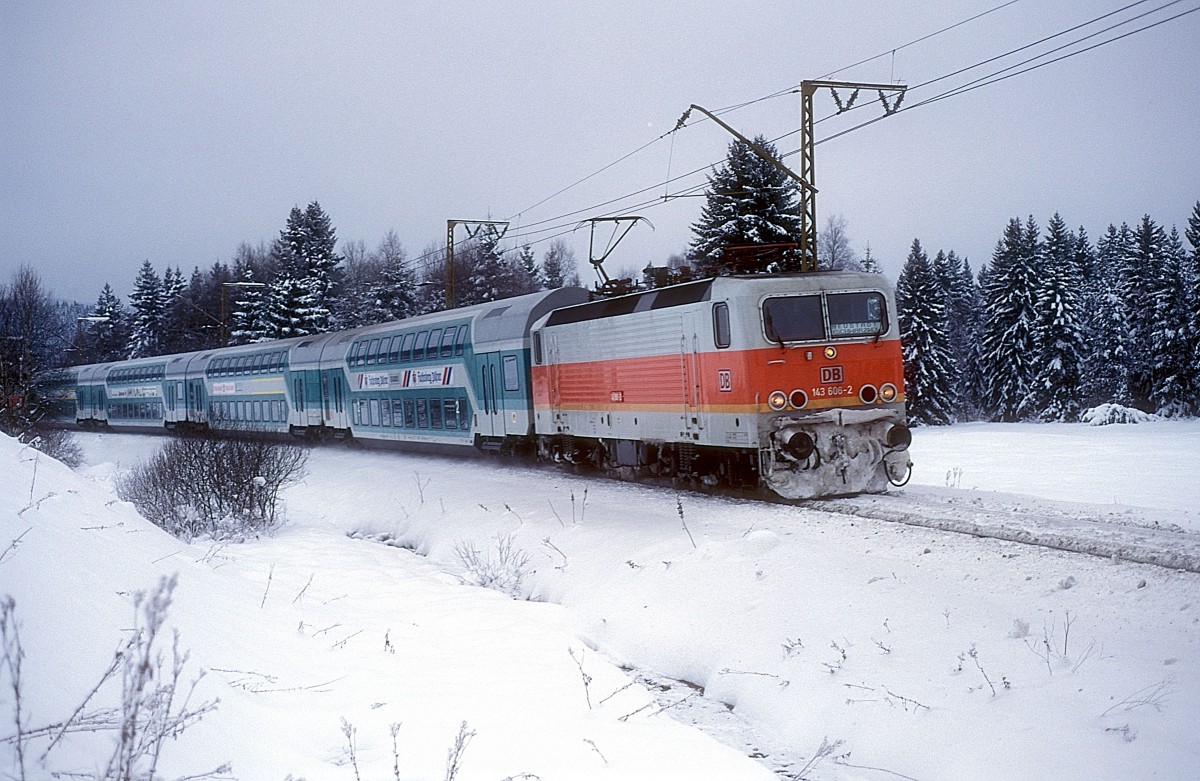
793,319
856,314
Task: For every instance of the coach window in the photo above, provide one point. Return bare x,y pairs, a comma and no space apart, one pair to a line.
460,340
385,347
721,333
450,410
410,414
397,413
448,343
394,350
373,352
435,336
385,410
435,413
422,413
407,346
360,353
374,412
419,350
793,319
258,363
512,378
856,314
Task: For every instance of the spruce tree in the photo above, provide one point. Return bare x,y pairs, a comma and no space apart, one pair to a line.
107,330
250,320
558,266
1172,349
1192,232
1055,391
490,276
149,311
300,293
749,202
1107,376
1144,267
1010,322
928,374
393,296
869,263
963,325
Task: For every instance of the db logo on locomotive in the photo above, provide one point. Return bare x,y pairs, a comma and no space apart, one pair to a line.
831,375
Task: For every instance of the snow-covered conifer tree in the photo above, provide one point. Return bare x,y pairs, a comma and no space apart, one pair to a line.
1144,267
964,317
250,319
107,332
1010,322
748,202
869,263
928,372
558,266
1172,348
299,296
1108,336
1054,394
1193,236
393,296
149,310
491,276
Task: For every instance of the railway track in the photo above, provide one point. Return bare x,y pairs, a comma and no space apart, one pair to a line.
1112,532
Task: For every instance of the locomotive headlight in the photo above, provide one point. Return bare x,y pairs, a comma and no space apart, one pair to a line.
777,400
888,392
830,352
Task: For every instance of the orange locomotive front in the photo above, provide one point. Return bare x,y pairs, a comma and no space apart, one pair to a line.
793,383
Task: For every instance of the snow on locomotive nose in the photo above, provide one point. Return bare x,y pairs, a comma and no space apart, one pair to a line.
792,383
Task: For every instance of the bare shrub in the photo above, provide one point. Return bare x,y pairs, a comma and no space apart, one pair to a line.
503,569
57,443
225,489
153,706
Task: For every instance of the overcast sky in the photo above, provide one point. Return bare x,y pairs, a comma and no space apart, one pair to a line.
175,131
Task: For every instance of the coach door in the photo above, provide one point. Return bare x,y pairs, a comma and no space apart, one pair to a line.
491,420
195,401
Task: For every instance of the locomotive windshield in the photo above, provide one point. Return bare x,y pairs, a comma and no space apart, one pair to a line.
856,314
793,319
800,318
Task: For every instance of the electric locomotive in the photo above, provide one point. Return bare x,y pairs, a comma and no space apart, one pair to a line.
789,382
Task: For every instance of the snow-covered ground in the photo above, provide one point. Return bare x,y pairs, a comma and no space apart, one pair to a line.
907,652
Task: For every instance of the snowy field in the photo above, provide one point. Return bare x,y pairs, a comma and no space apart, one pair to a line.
656,635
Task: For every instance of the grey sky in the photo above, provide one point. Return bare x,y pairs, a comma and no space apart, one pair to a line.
174,131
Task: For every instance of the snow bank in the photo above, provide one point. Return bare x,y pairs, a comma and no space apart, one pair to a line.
305,629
